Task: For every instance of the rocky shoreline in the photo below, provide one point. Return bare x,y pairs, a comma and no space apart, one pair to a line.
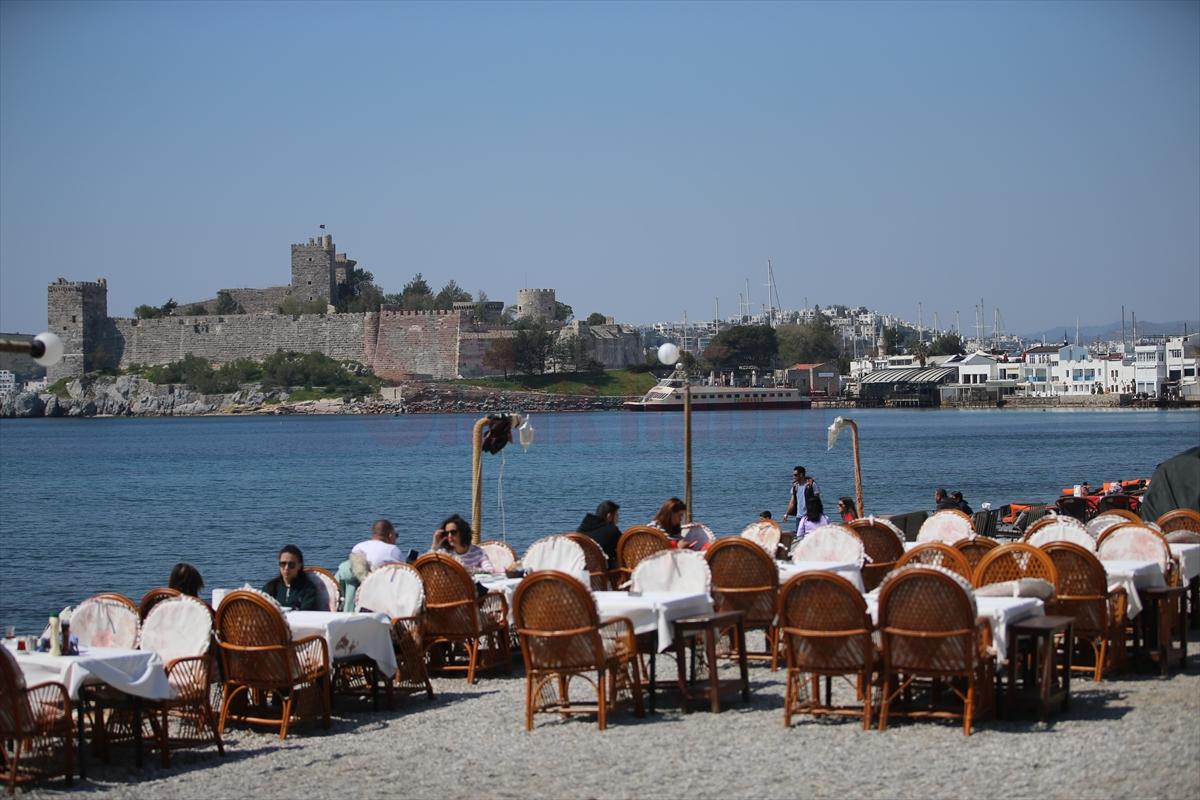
134,396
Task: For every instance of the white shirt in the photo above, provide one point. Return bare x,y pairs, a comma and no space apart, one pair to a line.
378,552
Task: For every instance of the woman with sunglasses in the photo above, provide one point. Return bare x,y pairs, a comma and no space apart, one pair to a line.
291,588
453,538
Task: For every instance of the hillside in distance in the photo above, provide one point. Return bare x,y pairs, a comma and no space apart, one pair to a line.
1112,330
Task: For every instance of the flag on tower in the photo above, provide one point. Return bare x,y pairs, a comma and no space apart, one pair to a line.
322,227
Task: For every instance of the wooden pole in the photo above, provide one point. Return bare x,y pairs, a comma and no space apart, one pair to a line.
687,449
477,480
858,494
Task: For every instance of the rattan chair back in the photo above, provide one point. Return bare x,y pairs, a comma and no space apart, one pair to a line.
152,598
1060,529
833,542
329,593
1076,507
106,620
178,627
765,533
16,717
973,550
1111,502
883,544
745,579
672,571
500,554
1137,542
638,542
1183,537
597,561
927,622
557,620
255,641
451,602
936,554
393,589
1010,562
946,526
35,726
1181,519
825,625
559,553
1082,588
1098,524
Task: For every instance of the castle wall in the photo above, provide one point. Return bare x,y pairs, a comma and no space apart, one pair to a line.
473,346
313,272
77,311
415,344
259,301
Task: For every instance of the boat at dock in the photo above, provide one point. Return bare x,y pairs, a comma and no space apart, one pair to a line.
667,395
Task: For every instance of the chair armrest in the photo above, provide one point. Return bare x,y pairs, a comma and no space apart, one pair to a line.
983,636
494,605
616,633
49,702
1118,605
312,653
406,630
188,676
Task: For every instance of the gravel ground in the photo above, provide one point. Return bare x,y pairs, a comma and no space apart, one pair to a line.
1134,737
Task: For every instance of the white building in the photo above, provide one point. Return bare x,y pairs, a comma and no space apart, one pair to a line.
1075,371
8,382
38,385
1150,361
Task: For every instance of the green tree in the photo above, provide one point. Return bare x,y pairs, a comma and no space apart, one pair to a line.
532,346
743,345
563,312
416,295
500,355
450,294
810,342
358,293
227,305
155,312
292,306
891,340
596,318
948,344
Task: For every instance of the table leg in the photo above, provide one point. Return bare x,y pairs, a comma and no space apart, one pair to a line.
653,679
743,667
1043,651
79,708
681,668
374,686
1011,690
714,677
1068,648
137,731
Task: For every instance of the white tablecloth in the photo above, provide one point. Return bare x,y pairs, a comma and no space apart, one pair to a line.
349,635
653,611
1189,560
998,611
1131,576
137,672
850,570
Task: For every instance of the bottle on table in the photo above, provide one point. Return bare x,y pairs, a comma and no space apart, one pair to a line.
55,636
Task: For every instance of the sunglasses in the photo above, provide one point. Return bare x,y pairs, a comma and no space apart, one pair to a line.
289,564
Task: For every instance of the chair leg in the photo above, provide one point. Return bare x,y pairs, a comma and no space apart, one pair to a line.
286,716
326,701
789,697
601,701
472,654
773,643
14,765
208,716
885,701
528,700
635,688
864,680
969,706
1101,658
164,738
229,691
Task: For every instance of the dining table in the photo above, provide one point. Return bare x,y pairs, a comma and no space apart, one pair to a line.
349,635
998,611
850,570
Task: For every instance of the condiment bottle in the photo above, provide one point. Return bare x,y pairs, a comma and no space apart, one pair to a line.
55,636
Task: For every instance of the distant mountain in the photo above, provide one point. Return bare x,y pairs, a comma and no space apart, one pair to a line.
1112,331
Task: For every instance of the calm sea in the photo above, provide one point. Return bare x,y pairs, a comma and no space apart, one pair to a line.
113,504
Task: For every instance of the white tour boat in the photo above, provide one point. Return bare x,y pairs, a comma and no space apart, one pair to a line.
667,395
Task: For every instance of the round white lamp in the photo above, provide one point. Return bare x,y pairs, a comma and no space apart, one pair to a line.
51,347
668,353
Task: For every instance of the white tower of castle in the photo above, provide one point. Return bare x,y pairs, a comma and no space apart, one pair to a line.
536,303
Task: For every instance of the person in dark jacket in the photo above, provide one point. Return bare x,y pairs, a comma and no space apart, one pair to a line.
962,504
602,527
291,588
943,500
1175,484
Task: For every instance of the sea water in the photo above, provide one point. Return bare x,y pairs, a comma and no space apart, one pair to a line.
90,505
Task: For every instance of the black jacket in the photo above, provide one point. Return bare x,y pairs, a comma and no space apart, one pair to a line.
604,533
301,597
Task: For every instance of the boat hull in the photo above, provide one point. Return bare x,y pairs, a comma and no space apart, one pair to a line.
747,405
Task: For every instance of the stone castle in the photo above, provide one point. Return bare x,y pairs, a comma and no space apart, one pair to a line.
396,344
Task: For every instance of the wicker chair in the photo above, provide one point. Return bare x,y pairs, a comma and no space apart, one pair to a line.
766,533
946,527
1138,542
597,562
1076,507
1102,522
180,630
936,554
1012,562
258,655
744,578
152,598
635,544
500,554
35,727
833,542
562,638
826,630
559,553
106,620
973,550
1082,594
456,615
398,591
1113,502
883,544
1181,519
929,630
1060,529
329,593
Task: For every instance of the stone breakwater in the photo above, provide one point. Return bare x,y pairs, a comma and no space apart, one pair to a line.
133,396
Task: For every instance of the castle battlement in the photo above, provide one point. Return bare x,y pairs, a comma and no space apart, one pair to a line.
404,312
62,284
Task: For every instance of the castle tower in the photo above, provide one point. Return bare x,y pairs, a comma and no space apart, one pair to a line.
314,270
76,311
536,303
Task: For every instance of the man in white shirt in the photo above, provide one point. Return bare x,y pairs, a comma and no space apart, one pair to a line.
365,557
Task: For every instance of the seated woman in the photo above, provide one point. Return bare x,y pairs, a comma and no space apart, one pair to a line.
847,509
669,517
186,579
292,589
813,518
453,537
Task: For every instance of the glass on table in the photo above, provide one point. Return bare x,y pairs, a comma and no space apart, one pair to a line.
10,632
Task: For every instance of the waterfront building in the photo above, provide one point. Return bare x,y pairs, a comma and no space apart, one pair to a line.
821,378
8,382
1151,365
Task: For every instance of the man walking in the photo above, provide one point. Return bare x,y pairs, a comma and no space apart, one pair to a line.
804,489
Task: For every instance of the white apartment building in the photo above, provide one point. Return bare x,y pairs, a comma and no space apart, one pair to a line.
1150,361
8,382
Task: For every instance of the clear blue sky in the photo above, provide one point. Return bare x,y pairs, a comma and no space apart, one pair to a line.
644,159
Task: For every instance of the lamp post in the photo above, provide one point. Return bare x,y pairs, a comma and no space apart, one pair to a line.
834,429
45,349
668,354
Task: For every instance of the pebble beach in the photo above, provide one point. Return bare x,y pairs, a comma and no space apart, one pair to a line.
1135,736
